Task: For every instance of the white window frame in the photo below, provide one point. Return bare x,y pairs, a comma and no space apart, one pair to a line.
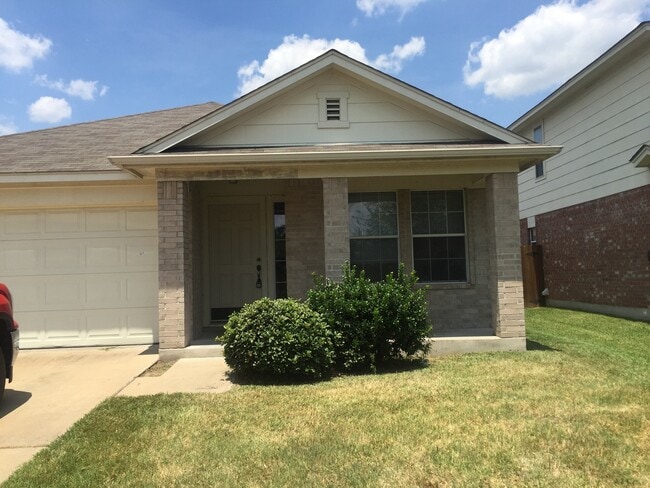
541,165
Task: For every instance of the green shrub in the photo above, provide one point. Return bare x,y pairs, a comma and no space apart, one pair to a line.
278,338
372,322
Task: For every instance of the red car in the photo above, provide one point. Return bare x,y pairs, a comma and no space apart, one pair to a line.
8,338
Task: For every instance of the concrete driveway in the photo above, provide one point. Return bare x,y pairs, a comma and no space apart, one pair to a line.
53,388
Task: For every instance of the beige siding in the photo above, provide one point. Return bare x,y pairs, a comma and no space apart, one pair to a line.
374,117
600,129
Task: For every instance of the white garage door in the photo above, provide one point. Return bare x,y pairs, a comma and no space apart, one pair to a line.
82,277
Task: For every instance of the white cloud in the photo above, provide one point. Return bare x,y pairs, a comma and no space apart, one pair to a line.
379,7
549,46
83,89
7,128
50,110
295,51
18,50
393,62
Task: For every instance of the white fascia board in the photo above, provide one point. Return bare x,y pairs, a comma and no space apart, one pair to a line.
63,177
526,154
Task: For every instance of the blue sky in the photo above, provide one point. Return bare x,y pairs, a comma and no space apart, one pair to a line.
71,61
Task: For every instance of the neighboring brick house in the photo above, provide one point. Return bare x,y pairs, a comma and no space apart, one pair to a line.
153,227
589,206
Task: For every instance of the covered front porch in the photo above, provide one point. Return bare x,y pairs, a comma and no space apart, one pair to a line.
223,243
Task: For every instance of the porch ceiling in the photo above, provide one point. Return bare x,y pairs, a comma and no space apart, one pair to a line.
335,161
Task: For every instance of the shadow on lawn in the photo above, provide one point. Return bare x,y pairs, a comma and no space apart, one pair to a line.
389,367
538,346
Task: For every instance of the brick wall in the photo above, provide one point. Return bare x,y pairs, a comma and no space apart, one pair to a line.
305,234
503,243
335,226
597,252
174,264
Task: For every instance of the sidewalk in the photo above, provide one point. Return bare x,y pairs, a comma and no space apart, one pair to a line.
187,375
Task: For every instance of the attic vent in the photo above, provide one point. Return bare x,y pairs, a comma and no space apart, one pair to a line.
333,110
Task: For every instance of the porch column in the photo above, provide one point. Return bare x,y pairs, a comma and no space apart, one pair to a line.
505,282
304,232
174,264
335,220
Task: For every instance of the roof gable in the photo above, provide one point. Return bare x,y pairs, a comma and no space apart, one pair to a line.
432,118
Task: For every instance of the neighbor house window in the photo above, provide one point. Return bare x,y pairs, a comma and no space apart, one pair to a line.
279,241
438,226
538,137
373,233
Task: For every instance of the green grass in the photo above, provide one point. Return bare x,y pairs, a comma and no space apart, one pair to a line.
574,411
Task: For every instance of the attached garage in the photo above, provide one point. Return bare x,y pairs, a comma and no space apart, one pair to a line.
78,236
82,276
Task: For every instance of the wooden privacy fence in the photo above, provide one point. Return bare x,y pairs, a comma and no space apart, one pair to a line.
533,275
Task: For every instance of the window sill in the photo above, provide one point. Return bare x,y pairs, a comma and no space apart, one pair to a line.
444,286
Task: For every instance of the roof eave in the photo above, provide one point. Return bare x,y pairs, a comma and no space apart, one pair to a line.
519,157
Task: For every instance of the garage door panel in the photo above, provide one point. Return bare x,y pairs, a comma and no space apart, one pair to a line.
61,255
104,220
20,259
106,323
63,221
65,267
101,292
63,293
65,325
142,291
16,223
103,255
142,254
138,325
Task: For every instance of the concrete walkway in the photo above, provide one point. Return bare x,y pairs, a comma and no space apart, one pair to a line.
188,375
54,388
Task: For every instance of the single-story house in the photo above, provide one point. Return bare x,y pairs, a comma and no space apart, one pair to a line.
152,227
589,206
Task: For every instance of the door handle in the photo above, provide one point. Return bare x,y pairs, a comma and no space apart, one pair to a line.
258,283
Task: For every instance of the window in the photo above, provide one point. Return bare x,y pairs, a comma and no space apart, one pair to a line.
438,226
279,241
532,235
333,110
538,137
373,233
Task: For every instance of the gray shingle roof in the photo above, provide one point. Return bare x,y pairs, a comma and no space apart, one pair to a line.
86,146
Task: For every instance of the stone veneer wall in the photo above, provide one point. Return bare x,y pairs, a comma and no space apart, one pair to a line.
305,234
503,237
175,288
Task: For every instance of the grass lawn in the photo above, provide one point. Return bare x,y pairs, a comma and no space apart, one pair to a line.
573,411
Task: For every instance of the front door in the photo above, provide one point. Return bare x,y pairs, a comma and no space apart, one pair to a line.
237,254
